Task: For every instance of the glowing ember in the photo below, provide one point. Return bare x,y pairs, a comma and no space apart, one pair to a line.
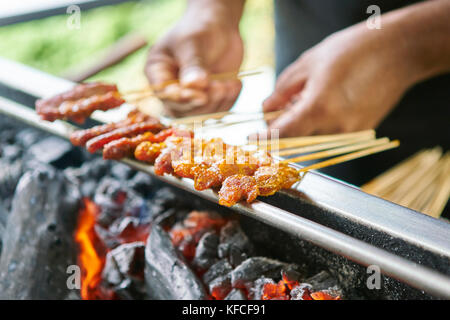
91,263
282,290
186,236
324,295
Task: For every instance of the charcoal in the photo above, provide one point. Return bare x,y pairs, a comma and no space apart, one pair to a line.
292,272
122,171
88,188
141,183
27,137
111,274
11,152
253,268
107,237
256,290
7,136
236,294
55,151
129,258
220,286
10,174
137,206
121,225
234,244
2,231
206,251
106,196
218,269
167,274
73,295
3,215
301,292
38,242
168,217
166,198
95,169
130,289
123,271
322,281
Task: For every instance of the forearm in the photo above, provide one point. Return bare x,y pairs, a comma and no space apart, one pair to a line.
421,34
229,11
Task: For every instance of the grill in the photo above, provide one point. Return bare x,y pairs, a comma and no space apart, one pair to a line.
321,220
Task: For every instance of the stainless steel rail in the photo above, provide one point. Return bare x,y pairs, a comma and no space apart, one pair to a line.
358,251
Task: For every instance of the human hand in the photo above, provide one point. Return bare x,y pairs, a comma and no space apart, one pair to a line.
348,82
205,41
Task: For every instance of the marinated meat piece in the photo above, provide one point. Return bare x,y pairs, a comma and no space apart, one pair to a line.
205,178
84,90
214,162
148,151
125,147
129,131
271,179
79,103
79,110
236,188
80,137
163,163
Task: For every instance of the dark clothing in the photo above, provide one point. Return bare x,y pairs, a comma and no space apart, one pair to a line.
421,119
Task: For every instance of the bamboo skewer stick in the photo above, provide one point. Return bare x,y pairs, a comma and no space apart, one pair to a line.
421,202
430,192
390,186
415,177
265,116
318,147
337,151
216,76
351,156
202,117
286,143
437,204
392,175
426,179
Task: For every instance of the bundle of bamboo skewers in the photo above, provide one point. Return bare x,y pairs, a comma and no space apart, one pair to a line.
421,182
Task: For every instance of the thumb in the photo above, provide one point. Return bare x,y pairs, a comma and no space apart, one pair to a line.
160,68
290,82
193,73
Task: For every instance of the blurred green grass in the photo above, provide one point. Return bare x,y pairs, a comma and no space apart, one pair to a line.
48,44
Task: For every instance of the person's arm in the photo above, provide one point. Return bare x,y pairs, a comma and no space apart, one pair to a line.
352,79
205,40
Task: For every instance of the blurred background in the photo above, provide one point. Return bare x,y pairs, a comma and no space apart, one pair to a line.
49,45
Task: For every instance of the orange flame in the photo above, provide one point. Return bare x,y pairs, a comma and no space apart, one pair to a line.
91,263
